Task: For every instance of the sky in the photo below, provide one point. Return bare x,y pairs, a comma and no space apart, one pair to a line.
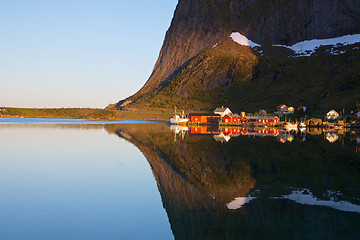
83,53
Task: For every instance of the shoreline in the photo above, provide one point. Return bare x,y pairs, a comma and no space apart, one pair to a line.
90,114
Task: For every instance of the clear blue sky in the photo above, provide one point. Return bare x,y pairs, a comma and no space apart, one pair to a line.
78,53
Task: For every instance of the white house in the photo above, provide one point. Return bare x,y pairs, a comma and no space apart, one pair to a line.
223,111
332,115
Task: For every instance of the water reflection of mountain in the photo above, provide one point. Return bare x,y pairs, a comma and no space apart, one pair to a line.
203,185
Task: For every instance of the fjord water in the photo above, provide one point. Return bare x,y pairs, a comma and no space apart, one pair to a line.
143,181
76,182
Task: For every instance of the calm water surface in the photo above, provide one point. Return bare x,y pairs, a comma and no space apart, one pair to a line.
64,179
76,182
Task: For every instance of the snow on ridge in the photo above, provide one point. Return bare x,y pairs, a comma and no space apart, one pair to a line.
303,48
311,45
242,40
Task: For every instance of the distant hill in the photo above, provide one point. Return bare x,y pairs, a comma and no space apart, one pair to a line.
201,67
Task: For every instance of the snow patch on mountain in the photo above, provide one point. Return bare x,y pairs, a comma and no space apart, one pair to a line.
242,40
304,48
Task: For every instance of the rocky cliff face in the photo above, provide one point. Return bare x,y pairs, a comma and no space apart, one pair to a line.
199,24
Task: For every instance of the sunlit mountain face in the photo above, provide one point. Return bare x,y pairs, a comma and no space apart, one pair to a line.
257,183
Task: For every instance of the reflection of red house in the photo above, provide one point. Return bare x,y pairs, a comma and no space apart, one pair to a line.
226,131
267,132
231,131
244,131
235,130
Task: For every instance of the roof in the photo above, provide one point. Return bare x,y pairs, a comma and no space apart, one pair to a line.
204,114
333,112
263,117
221,109
282,106
236,115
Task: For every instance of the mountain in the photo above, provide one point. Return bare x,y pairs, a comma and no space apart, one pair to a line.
201,67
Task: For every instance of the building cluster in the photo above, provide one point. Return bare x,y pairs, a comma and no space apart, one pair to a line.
283,109
225,116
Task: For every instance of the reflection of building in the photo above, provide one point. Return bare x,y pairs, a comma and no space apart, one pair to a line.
332,137
231,130
263,132
204,130
222,138
285,137
224,134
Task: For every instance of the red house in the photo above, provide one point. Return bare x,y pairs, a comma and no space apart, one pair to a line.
264,119
227,119
204,118
245,120
231,118
236,118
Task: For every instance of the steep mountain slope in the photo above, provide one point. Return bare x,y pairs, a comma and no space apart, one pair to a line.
198,25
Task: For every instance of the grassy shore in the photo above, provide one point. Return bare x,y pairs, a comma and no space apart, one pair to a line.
88,113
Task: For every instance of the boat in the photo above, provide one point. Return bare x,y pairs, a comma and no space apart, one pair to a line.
179,120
